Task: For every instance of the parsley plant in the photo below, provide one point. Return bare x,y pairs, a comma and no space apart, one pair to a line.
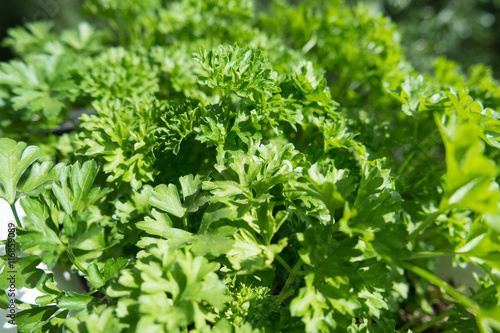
239,166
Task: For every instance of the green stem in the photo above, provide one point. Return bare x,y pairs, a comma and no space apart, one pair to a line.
435,320
287,291
464,300
483,292
284,263
18,221
441,316
429,254
92,292
424,146
430,219
74,260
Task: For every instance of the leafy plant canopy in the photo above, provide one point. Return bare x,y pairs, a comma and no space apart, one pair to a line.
241,167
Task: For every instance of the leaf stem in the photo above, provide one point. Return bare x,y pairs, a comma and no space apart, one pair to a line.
464,300
75,261
13,208
430,219
286,291
93,291
422,327
284,263
430,254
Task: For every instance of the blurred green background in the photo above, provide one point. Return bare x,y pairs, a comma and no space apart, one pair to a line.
466,31
13,13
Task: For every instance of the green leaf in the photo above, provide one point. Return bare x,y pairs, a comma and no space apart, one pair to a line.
193,196
470,175
223,188
248,255
94,276
15,159
122,136
40,175
167,199
158,226
112,266
483,248
43,85
29,39
376,199
26,273
74,189
100,320
471,111
243,71
34,319
331,188
39,216
182,284
41,236
488,319
75,302
190,185
215,242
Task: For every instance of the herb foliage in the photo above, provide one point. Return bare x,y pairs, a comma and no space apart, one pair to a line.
248,168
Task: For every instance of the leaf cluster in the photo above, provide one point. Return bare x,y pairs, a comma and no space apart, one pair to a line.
243,167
